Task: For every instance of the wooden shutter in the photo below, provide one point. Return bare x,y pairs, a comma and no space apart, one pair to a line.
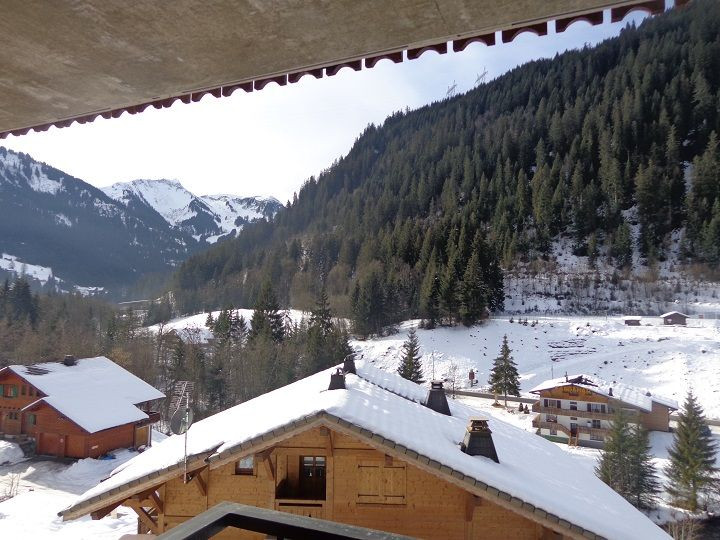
381,483
369,482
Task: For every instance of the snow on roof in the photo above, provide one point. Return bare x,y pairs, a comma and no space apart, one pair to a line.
632,318
673,313
531,468
91,412
99,375
631,395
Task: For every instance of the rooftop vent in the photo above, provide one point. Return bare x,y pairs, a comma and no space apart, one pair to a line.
610,392
436,399
478,440
69,360
337,380
349,364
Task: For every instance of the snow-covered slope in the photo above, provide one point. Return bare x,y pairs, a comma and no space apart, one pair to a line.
207,217
666,360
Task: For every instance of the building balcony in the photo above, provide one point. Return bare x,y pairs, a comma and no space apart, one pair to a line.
592,415
566,430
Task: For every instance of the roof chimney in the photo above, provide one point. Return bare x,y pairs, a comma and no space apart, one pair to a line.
337,380
349,364
610,392
478,440
436,399
69,360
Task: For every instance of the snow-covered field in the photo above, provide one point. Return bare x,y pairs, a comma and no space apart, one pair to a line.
192,327
664,359
42,487
10,453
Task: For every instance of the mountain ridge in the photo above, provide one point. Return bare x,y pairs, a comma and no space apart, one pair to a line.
82,236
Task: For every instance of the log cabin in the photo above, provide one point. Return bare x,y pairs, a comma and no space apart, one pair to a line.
674,318
368,448
76,408
579,409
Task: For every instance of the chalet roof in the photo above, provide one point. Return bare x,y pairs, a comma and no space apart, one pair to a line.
384,410
91,412
631,395
632,318
100,376
673,313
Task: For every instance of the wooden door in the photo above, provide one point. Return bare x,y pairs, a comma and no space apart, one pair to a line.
573,429
51,444
142,436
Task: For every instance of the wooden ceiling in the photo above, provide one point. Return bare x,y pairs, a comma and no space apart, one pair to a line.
76,60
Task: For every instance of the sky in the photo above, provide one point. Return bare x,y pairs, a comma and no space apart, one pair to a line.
268,143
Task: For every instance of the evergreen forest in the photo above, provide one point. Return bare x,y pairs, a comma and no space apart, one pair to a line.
424,212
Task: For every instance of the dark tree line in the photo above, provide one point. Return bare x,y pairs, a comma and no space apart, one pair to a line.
416,219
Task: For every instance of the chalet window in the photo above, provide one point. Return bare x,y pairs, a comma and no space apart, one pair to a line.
553,403
596,424
573,406
551,418
2,390
381,483
312,477
596,437
31,419
553,431
23,390
245,466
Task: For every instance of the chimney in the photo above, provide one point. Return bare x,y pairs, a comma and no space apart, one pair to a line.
436,399
69,360
349,364
478,440
610,392
337,380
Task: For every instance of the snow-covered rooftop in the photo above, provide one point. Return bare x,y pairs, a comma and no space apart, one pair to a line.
530,468
91,412
631,395
673,313
95,393
99,375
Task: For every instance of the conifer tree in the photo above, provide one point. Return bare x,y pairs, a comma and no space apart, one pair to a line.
644,485
266,316
614,464
692,470
472,292
504,377
410,367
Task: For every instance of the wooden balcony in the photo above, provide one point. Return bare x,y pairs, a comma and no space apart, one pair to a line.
302,507
563,429
537,407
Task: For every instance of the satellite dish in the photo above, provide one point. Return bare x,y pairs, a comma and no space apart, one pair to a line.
181,421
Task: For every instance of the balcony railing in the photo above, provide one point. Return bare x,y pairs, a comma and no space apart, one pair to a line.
566,430
537,407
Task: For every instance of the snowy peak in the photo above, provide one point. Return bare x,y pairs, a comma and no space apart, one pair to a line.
206,218
21,171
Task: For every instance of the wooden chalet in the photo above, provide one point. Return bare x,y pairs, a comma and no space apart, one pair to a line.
578,410
76,408
632,320
674,318
370,449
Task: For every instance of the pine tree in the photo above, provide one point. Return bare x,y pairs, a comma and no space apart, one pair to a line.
643,486
266,317
321,316
615,459
504,377
473,298
692,470
410,367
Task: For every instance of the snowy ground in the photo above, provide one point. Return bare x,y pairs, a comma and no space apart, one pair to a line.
42,487
10,453
192,327
666,360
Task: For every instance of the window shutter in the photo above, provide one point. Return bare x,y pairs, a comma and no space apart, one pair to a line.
369,482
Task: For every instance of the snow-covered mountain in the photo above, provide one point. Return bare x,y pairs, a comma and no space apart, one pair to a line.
207,218
63,232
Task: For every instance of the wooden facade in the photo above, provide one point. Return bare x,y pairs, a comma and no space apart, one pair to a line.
577,415
326,474
24,415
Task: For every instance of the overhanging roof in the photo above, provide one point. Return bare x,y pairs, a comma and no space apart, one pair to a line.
77,60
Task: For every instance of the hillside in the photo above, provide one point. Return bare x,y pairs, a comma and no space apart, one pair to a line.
610,151
65,234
